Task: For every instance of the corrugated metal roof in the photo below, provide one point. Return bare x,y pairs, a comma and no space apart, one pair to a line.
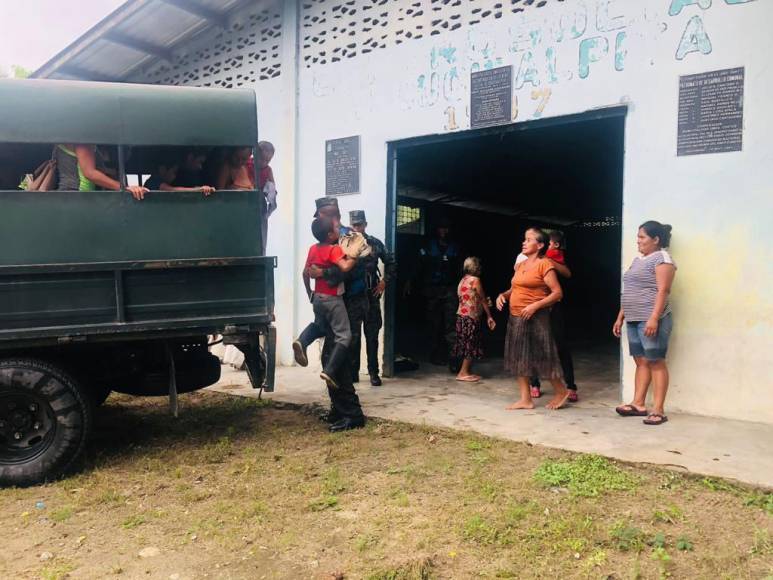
136,35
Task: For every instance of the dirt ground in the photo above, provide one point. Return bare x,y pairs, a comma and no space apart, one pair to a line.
238,489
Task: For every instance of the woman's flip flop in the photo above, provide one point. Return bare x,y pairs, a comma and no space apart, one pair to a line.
468,379
630,411
660,419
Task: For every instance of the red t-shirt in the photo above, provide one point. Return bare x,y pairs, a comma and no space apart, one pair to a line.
556,256
325,256
264,175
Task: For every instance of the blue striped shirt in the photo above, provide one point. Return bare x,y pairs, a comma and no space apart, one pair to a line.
640,287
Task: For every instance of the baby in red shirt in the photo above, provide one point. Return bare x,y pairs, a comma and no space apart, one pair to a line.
327,300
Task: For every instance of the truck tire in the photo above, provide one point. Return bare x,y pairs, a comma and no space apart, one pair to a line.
45,421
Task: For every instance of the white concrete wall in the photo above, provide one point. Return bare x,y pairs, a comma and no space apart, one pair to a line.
571,57
567,57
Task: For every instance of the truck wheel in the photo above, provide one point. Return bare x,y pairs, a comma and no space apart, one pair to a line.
45,419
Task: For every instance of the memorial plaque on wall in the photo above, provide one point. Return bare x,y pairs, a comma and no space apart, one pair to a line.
491,97
711,112
342,166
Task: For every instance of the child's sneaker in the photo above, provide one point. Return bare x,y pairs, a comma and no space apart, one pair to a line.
328,379
300,354
536,392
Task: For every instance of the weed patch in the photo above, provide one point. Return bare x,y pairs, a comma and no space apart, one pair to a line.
324,503
585,476
57,571
479,530
62,514
670,515
414,570
218,452
133,522
627,538
760,499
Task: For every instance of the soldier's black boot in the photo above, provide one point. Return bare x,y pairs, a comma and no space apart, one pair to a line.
338,356
332,416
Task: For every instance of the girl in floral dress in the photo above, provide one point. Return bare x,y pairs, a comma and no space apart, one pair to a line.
469,333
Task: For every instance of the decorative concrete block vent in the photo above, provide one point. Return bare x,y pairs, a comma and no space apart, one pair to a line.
247,52
334,30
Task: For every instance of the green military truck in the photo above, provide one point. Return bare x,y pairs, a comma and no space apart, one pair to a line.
101,292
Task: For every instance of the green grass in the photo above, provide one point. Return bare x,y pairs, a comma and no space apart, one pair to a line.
585,476
56,571
277,492
324,503
760,499
627,538
133,522
62,514
670,515
480,530
415,570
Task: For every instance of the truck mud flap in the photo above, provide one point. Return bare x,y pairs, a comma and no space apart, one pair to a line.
259,356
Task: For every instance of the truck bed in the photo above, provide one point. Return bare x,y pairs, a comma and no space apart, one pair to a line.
93,265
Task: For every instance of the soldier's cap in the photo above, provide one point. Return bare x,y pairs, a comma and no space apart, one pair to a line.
325,202
357,217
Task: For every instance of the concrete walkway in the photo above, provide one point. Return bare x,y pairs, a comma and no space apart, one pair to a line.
717,447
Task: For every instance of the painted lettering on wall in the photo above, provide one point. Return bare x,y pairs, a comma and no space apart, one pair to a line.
592,50
695,38
579,39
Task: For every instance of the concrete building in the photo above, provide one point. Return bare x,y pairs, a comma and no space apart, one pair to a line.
604,126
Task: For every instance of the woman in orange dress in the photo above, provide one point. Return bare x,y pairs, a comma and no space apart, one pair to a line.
530,349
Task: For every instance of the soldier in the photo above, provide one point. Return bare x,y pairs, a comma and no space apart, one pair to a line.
345,410
439,268
375,285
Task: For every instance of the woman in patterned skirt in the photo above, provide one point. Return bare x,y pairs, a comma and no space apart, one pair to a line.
530,349
469,335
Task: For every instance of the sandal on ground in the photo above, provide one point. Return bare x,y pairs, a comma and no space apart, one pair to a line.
468,379
536,393
631,411
659,419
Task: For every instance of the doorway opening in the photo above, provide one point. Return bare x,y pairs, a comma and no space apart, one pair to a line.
492,184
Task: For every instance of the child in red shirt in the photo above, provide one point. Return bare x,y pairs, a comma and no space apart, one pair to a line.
327,300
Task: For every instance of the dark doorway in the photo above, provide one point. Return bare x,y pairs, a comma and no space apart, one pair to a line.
493,184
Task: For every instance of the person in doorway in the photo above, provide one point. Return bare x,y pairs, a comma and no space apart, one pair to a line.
375,285
439,268
529,346
556,254
164,177
647,313
329,310
473,302
77,169
345,410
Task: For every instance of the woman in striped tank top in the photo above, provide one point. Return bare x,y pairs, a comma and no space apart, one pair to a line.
647,313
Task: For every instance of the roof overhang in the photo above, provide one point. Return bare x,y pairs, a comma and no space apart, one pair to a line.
135,36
